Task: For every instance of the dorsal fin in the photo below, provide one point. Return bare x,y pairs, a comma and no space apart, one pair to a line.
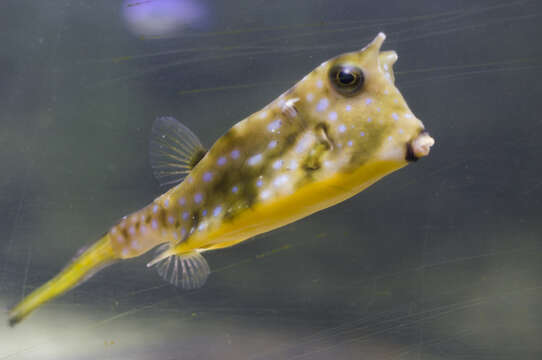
175,150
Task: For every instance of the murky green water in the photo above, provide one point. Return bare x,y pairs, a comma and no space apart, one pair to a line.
440,260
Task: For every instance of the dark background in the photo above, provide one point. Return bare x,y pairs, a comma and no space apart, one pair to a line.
441,260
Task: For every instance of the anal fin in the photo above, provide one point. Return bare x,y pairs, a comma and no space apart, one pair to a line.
187,271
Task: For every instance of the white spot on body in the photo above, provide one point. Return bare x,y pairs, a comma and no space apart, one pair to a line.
120,239
202,226
274,126
272,144
234,189
362,133
350,143
154,224
390,138
332,116
348,107
259,182
254,160
369,119
319,84
322,105
155,209
293,165
342,128
182,201
280,180
263,115
217,210
368,101
310,97
304,143
198,197
235,154
277,164
401,131
221,160
408,116
131,230
143,229
185,215
265,194
170,219
166,203
208,176
114,231
395,116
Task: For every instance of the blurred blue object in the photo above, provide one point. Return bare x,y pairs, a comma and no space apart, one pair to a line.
161,18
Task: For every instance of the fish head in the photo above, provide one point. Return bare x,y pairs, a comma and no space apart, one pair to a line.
367,119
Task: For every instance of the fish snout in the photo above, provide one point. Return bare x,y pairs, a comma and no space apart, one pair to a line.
419,146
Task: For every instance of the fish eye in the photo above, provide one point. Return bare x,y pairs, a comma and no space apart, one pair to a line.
346,79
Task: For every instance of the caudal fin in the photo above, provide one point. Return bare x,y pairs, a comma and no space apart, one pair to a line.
95,258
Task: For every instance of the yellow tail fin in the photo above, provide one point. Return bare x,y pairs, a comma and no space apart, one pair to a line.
95,258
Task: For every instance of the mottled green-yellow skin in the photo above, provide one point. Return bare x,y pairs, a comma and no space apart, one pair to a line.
309,149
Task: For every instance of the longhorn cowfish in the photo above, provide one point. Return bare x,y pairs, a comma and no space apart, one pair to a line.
337,131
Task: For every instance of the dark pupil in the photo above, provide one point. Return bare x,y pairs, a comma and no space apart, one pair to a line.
346,78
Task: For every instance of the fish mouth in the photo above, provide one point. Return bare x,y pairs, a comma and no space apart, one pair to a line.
419,147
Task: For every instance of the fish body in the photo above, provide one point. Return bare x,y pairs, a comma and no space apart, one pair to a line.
337,131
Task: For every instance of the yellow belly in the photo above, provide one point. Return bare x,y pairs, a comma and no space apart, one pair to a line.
274,213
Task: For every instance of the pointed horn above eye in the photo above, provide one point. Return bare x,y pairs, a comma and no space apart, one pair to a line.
376,44
372,51
379,40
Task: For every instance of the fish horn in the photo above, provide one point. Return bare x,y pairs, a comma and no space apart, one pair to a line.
372,51
376,44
